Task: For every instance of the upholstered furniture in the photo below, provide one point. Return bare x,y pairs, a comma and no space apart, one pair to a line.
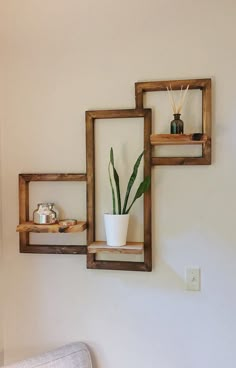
75,355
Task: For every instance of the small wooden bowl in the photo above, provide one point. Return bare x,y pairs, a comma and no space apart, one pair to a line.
67,222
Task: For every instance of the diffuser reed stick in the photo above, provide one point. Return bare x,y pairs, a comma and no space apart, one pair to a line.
177,107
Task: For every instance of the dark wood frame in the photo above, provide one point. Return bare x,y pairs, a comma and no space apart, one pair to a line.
205,86
91,116
25,246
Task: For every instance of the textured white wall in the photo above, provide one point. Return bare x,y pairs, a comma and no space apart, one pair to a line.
59,59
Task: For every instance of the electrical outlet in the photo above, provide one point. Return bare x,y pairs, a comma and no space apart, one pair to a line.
192,279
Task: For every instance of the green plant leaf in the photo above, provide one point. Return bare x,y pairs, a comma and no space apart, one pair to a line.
112,190
112,156
117,181
143,187
131,181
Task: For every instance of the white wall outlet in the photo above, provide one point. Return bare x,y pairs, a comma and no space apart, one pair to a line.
192,279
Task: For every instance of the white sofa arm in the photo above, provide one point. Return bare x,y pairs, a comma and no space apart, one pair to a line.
75,355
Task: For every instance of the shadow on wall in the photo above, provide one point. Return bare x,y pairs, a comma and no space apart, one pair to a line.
1,358
95,350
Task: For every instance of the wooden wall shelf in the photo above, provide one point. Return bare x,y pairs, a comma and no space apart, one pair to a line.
26,226
92,261
129,248
94,247
204,85
55,228
176,139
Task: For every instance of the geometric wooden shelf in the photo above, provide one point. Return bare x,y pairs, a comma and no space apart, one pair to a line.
26,226
53,228
176,139
93,246
92,261
129,248
205,86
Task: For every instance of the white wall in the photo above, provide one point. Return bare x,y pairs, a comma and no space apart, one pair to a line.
1,305
1,244
59,59
1,294
1,298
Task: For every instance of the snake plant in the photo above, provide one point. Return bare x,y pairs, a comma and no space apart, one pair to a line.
115,186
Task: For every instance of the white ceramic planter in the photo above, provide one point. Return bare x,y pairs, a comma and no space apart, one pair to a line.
116,227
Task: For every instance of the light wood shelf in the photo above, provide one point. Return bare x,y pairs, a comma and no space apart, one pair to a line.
129,248
176,139
54,228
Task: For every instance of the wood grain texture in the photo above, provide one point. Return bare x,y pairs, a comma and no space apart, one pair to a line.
207,120
114,114
175,85
147,201
91,117
90,182
175,139
90,164
55,249
207,152
129,248
25,246
54,177
161,161
23,209
119,266
54,228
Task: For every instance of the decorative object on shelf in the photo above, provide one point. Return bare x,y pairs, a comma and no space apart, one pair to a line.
26,227
116,224
68,222
116,228
45,214
177,125
204,86
197,136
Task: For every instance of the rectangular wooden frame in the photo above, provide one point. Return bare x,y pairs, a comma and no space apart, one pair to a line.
91,116
25,247
205,86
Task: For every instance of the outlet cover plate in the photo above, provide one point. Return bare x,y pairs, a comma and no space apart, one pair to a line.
192,279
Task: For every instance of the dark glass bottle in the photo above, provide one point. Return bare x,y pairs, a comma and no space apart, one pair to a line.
177,125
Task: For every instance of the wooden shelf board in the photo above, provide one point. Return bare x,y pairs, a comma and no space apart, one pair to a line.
176,139
54,228
129,248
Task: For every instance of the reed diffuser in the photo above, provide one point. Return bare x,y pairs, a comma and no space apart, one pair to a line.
177,125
